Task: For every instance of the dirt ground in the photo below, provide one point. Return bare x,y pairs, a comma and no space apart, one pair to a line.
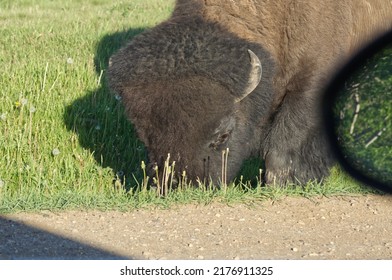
354,227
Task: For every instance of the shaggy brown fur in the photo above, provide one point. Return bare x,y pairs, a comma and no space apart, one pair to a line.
180,81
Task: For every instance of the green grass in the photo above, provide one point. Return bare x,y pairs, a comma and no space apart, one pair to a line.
63,137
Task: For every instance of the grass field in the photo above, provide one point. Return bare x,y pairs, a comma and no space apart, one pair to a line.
63,137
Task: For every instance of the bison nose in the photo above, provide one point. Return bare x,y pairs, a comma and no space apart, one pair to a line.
163,178
151,168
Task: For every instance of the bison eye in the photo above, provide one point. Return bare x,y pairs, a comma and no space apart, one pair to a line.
222,138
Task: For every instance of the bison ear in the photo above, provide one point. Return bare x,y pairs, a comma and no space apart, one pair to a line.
254,76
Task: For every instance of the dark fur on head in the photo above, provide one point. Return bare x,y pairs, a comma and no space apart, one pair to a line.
180,93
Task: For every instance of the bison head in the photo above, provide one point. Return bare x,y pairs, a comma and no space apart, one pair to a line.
193,117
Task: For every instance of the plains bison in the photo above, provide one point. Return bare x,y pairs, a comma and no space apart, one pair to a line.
245,75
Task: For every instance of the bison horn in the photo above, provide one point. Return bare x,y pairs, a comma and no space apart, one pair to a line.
254,76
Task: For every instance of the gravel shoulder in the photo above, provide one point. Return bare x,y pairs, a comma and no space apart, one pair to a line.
348,227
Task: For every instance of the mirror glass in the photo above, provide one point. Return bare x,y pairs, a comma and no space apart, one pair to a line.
360,114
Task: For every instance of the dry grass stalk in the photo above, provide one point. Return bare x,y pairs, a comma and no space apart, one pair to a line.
225,155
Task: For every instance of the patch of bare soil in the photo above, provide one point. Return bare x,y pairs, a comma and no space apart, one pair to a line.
355,227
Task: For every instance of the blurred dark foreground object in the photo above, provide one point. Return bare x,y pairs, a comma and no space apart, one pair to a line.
358,114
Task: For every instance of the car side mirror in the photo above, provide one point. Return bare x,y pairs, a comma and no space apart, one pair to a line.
358,114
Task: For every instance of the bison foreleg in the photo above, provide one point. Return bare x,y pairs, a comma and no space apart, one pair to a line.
295,149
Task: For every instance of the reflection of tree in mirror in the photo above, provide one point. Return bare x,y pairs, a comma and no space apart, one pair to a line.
364,117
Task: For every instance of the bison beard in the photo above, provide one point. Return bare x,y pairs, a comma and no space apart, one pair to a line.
244,75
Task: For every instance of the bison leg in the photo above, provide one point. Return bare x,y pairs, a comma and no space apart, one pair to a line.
295,149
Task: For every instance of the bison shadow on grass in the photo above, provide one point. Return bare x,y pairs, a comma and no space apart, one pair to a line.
98,119
100,123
